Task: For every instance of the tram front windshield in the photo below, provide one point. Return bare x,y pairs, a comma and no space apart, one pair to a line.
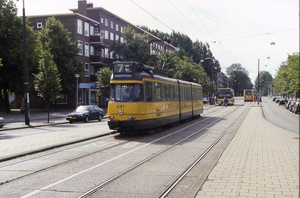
126,92
223,94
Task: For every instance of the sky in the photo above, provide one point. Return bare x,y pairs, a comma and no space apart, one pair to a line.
237,31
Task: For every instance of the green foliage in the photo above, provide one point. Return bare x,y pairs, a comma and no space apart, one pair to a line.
287,77
55,37
47,81
239,78
135,48
265,81
103,81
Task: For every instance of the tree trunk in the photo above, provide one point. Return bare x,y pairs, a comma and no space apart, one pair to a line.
48,110
6,100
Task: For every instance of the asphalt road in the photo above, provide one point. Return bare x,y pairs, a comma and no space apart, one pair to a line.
72,170
280,116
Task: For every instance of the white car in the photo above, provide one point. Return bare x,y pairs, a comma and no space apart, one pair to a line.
2,123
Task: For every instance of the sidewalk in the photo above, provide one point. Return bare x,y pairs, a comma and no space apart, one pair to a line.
16,119
262,160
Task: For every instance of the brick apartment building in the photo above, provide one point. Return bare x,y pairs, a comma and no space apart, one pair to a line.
95,29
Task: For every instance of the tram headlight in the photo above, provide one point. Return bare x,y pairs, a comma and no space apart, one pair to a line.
131,117
121,112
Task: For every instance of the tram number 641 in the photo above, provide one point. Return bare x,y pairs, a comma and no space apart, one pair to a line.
120,106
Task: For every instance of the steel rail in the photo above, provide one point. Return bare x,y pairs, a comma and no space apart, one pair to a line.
189,167
98,187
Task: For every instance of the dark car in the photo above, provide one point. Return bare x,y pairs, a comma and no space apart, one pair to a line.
296,107
2,123
85,113
282,101
277,100
274,98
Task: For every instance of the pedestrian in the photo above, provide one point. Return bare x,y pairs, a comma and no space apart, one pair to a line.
225,102
254,99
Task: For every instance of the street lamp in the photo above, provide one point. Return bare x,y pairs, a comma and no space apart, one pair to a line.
77,76
25,72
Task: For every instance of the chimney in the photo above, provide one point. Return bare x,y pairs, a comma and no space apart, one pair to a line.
82,7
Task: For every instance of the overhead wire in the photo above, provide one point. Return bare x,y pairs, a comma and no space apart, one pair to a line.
152,15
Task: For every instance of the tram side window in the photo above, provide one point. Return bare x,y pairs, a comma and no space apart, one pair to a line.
167,92
148,87
175,92
171,92
137,94
163,92
189,93
157,92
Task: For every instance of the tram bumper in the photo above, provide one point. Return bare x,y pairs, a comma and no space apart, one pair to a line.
116,124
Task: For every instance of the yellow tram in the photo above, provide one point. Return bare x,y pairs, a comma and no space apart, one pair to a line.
248,95
141,100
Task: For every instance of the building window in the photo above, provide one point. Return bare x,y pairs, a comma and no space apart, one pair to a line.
111,55
87,49
92,68
122,40
106,22
86,29
80,47
111,36
92,50
39,25
121,29
96,30
106,55
87,70
106,34
112,25
117,27
117,37
79,26
92,30
101,20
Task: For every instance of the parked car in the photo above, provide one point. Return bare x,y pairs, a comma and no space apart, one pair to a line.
296,107
288,104
277,100
2,122
204,99
282,101
291,105
86,113
274,98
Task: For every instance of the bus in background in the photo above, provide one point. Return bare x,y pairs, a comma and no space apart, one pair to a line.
248,95
225,92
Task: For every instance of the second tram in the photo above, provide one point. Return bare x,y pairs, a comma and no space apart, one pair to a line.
248,95
141,100
225,92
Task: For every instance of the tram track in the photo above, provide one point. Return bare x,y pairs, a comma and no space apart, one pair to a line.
211,120
172,185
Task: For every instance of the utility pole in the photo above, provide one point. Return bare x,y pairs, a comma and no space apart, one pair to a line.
25,72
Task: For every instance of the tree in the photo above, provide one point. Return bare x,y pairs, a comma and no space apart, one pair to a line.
265,80
64,52
287,76
47,81
239,78
103,81
11,48
135,49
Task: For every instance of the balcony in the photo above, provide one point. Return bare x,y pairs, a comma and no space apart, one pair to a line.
97,59
99,40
